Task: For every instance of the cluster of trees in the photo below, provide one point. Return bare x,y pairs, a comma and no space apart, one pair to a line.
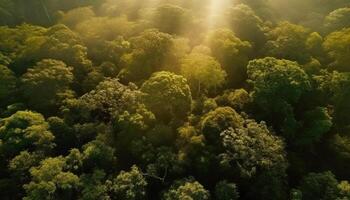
131,99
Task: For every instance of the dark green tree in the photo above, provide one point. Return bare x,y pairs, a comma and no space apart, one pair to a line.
232,53
167,95
42,83
129,185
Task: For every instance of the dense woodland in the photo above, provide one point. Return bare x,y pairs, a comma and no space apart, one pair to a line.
175,99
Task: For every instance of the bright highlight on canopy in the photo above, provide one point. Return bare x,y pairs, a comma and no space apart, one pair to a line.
217,8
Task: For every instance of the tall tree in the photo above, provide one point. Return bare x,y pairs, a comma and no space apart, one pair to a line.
232,53
277,87
203,73
42,83
168,96
7,84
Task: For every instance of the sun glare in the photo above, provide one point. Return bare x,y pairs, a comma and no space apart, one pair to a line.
216,11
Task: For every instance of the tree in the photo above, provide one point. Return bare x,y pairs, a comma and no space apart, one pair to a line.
98,155
92,80
150,50
257,155
110,98
253,148
191,144
108,51
42,83
164,164
93,186
104,28
316,123
65,139
186,189
7,84
178,50
218,120
75,16
247,25
333,88
24,130
131,126
319,186
202,71
263,8
129,185
314,46
226,191
232,53
277,87
50,181
4,60
336,46
344,190
296,194
59,43
288,41
171,19
14,42
167,95
108,69
236,99
337,20
19,166
105,38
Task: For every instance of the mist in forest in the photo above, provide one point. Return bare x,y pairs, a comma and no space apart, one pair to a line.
174,99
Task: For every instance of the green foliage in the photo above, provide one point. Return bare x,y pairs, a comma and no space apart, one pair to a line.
319,186
150,50
186,190
226,191
50,181
42,83
237,99
24,130
129,185
110,52
76,16
167,95
288,41
314,47
336,45
109,98
103,28
344,190
202,71
296,194
171,19
13,40
97,155
21,164
218,120
232,53
253,148
60,43
247,25
7,83
316,123
277,87
93,187
334,89
337,20
174,89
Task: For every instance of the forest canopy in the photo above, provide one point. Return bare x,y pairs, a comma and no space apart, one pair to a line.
175,99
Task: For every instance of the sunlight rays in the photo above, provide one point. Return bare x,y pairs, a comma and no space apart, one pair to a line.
216,11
